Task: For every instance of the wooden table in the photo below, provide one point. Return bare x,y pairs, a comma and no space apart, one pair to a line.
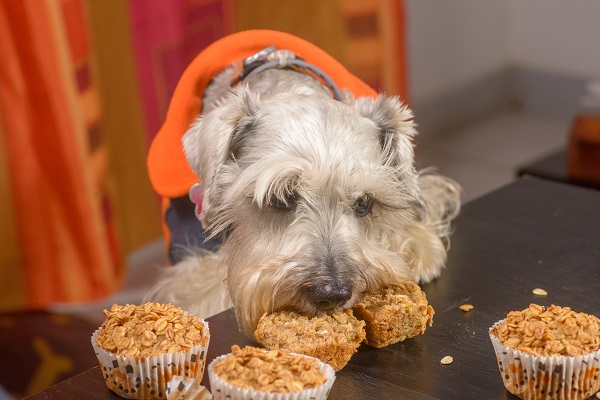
530,234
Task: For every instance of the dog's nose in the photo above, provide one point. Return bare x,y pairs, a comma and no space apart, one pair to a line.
330,295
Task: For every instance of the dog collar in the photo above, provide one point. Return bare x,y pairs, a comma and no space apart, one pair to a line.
271,57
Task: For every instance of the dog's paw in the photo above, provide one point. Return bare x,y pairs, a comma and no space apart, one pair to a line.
195,284
426,275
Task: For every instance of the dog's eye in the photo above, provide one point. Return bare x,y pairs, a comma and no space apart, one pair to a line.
363,206
285,204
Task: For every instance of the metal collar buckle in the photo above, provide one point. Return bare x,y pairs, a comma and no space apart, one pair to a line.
270,57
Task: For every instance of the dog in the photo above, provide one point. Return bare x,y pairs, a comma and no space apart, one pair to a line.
312,192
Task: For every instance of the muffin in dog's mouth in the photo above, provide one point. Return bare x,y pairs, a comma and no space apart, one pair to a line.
332,338
394,314
379,319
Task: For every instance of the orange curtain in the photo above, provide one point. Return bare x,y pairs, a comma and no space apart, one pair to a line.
54,174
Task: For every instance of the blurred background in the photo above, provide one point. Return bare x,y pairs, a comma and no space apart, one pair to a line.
85,85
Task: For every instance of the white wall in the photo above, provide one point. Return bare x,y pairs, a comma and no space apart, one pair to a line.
452,43
555,35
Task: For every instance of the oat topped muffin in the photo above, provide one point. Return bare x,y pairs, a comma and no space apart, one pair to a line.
332,338
552,331
149,329
142,349
548,353
269,370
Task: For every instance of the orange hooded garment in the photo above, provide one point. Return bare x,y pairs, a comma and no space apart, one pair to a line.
169,172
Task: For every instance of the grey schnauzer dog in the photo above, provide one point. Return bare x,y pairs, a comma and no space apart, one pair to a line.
317,200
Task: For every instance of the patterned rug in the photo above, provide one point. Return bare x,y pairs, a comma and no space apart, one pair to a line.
40,349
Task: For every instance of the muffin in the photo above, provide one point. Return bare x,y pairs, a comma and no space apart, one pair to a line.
394,314
253,373
548,353
332,338
141,348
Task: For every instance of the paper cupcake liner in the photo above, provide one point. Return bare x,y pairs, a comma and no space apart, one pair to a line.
528,376
148,377
222,390
182,388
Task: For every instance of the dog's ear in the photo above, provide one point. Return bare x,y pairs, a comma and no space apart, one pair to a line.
395,124
216,138
396,130
211,139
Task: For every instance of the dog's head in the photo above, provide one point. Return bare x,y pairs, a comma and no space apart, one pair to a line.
312,195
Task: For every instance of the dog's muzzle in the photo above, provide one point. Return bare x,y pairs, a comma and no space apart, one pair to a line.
329,295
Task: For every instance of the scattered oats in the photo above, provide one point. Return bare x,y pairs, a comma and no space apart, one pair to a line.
466,307
539,292
598,395
447,360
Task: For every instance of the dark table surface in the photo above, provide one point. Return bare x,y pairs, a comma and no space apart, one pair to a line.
530,234
555,167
